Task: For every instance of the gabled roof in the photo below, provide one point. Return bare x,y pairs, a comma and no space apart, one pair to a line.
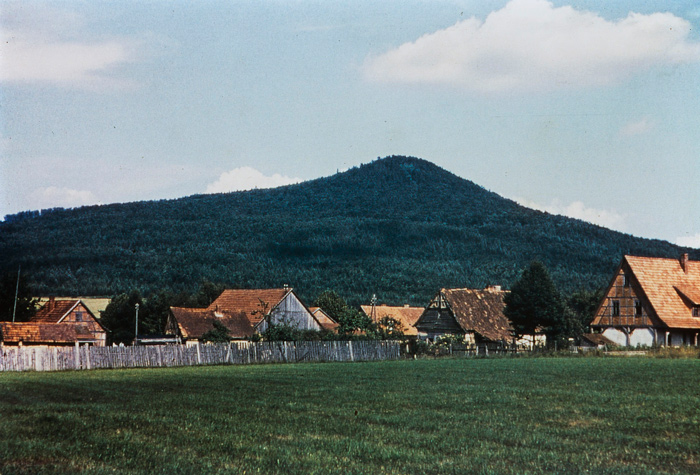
96,305
326,322
195,322
480,311
407,316
670,289
249,302
54,311
43,333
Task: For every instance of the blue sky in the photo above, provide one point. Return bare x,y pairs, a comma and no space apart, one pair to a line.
583,108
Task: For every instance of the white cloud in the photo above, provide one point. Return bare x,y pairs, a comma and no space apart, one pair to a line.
610,219
53,197
532,45
247,178
638,127
52,46
689,241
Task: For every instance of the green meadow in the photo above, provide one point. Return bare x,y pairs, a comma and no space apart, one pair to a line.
432,416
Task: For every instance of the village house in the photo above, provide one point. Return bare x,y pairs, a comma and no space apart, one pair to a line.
651,301
57,323
243,312
477,314
326,322
406,316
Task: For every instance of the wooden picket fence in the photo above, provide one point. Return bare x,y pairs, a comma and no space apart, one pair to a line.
29,358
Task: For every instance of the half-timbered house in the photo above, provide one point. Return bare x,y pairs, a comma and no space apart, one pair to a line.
651,301
477,314
58,322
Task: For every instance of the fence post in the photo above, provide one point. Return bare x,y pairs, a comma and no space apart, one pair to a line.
352,357
199,355
87,354
77,355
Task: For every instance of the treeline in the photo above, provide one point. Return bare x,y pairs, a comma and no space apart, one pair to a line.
398,227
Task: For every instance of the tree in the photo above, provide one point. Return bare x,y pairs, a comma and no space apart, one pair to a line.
120,315
534,304
219,334
25,304
331,303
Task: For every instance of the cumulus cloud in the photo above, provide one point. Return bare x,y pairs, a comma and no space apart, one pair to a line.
247,178
607,218
533,46
689,241
52,46
638,127
52,197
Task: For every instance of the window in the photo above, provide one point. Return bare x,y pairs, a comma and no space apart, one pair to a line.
696,311
78,316
615,308
626,279
637,308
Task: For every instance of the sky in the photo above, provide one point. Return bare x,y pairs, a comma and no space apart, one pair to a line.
586,108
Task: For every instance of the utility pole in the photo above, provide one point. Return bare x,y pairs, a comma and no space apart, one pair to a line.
14,310
136,332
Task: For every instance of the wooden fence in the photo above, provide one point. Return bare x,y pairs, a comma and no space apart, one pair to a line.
29,358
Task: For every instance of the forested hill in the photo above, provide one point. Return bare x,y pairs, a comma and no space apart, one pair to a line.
399,227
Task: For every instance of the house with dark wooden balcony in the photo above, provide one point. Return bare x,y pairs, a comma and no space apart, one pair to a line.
651,301
475,314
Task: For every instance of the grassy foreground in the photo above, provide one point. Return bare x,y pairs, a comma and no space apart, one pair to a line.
512,416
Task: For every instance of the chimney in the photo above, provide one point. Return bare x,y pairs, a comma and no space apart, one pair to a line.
52,303
405,305
494,288
684,262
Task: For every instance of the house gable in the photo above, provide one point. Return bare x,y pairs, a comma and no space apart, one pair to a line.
407,316
666,289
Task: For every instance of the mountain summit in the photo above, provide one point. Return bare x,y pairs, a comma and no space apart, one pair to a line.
399,227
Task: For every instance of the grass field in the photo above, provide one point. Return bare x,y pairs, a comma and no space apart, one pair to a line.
511,416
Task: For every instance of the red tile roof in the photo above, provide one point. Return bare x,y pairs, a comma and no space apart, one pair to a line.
43,333
326,322
54,311
249,301
406,315
195,322
480,311
664,282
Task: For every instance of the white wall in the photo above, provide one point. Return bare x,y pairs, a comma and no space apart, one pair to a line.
638,337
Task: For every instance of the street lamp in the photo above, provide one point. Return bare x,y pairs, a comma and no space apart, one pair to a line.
136,332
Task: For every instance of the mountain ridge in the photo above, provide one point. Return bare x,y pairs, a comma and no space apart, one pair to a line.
399,227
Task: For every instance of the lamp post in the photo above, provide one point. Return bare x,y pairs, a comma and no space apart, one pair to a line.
136,332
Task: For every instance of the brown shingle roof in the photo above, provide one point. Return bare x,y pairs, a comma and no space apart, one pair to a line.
195,322
53,311
480,311
326,322
248,302
43,333
664,283
408,316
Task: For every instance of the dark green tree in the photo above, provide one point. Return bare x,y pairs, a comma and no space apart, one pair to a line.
120,316
534,304
332,303
26,305
219,334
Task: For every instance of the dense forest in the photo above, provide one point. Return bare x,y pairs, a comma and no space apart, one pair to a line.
399,227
